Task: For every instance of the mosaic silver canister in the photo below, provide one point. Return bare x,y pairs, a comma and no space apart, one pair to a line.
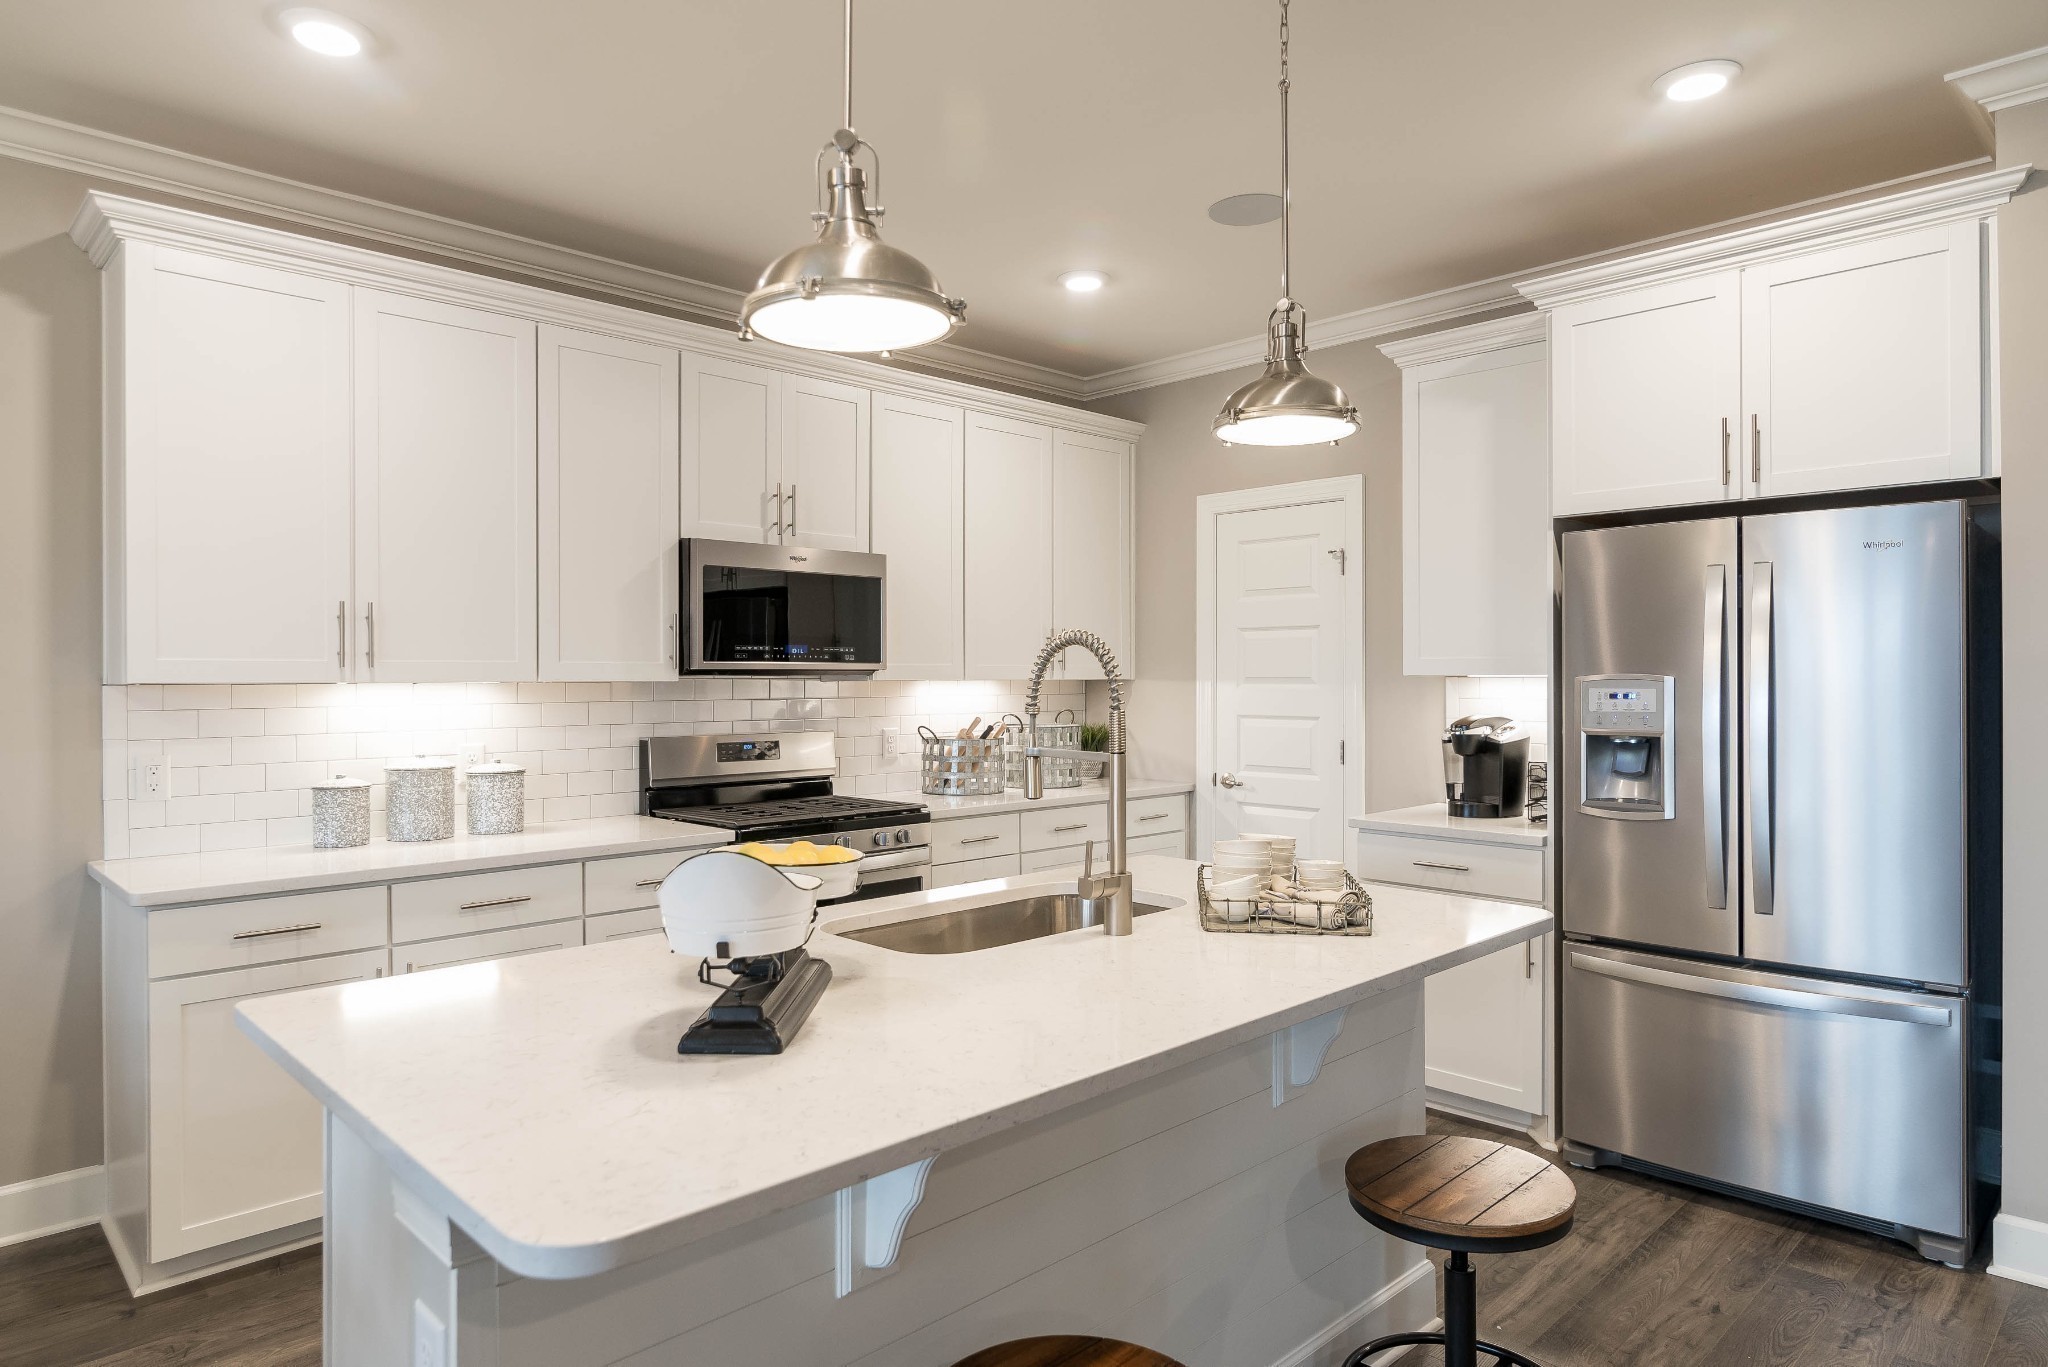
419,799
341,813
497,799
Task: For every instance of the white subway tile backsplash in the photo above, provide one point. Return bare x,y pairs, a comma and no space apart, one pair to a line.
194,754
162,725
1526,700
195,695
163,840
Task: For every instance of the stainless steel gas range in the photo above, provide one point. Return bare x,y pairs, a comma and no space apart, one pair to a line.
778,786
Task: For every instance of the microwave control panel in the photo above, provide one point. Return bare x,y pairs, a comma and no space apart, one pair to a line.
1625,704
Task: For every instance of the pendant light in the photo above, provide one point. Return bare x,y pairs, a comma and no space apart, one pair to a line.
1286,406
849,290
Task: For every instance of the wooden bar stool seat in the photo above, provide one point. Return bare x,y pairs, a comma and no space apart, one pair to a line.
1464,1196
1065,1350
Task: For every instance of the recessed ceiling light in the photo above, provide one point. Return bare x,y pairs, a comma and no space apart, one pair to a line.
1245,211
326,33
1084,282
1698,80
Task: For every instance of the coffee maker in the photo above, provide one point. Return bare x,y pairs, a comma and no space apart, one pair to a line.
1486,767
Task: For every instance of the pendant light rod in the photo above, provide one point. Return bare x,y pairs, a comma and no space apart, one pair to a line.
848,122
1286,189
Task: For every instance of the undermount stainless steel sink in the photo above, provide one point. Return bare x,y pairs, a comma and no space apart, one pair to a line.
1004,923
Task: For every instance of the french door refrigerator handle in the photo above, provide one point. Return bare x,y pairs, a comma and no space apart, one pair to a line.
1713,750
1762,782
1791,999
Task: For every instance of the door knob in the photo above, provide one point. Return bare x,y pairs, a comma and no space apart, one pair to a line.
1229,780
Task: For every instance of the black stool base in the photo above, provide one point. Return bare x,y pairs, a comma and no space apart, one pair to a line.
1460,1335
1362,1357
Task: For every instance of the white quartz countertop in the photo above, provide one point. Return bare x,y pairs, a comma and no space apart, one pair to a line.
1012,799
540,1104
175,879
1433,818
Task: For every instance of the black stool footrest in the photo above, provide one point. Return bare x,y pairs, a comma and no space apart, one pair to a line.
1381,1345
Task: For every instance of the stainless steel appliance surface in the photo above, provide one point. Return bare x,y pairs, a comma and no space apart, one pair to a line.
762,608
1767,887
779,786
1486,767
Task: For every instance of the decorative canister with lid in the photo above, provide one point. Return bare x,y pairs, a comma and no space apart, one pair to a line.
341,813
419,798
497,799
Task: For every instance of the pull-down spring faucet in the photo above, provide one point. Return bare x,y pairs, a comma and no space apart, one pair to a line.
1110,891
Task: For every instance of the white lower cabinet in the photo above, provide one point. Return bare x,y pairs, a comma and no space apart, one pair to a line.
621,925
966,849
234,1143
974,870
491,944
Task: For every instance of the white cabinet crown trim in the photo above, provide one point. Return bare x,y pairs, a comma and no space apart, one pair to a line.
1479,338
104,221
1949,202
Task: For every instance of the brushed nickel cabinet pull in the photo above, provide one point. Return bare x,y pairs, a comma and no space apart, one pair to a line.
276,930
1433,864
1529,958
341,634
778,512
792,510
1756,452
1156,816
495,902
980,839
651,882
1727,471
370,635
1077,826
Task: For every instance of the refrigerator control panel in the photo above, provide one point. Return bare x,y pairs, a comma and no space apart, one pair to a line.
1624,706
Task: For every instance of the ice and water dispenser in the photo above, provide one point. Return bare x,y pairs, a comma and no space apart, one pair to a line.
1626,750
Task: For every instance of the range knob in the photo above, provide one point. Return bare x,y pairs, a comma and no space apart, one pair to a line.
845,840
903,837
881,839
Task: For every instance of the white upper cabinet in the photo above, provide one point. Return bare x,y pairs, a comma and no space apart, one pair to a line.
824,467
1843,349
732,447
1009,580
1645,392
917,523
1475,490
227,471
445,483
609,462
1863,366
1091,547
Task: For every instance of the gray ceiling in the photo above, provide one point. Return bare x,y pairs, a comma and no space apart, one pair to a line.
1436,143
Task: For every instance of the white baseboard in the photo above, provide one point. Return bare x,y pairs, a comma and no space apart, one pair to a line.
1348,1322
51,1205
2019,1250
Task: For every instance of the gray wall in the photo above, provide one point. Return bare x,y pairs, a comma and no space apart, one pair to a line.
49,679
2023,361
1180,459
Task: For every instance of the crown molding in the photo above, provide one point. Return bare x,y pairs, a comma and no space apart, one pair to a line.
1926,206
106,224
1494,335
2019,79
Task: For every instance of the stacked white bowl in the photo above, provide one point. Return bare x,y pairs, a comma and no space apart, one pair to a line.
1239,868
1279,853
1320,875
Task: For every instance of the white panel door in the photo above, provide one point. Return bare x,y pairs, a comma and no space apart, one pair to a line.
1863,365
1279,675
1475,490
609,459
918,478
1091,540
1009,545
732,448
824,464
234,1142
1645,397
445,483
235,398
1483,1028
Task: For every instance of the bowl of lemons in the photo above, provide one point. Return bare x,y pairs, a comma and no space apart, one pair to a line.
837,865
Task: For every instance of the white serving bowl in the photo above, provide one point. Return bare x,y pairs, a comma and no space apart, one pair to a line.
1244,845
836,880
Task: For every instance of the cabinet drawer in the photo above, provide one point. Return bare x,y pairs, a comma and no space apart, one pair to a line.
492,944
973,837
974,870
1512,874
1157,815
265,930
1050,828
1172,844
437,907
621,925
1066,856
626,883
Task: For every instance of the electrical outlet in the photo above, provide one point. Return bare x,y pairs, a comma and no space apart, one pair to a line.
149,780
892,739
472,755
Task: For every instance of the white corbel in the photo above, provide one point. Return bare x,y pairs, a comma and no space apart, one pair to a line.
1298,1052
868,1224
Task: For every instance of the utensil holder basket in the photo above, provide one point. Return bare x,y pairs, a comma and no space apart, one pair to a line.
1059,773
957,766
1268,914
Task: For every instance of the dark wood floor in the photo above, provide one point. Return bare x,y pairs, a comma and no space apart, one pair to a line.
1654,1275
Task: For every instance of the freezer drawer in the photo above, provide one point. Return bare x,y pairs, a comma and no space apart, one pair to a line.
1841,1096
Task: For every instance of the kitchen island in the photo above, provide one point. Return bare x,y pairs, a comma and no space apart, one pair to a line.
1139,1136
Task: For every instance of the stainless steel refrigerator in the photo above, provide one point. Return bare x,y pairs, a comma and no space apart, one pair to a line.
1771,782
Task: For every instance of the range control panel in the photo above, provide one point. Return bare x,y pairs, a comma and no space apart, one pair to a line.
1624,705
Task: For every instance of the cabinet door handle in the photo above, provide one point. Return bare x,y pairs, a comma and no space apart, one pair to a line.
1433,864
1756,452
1156,816
370,635
1727,469
495,902
1076,826
300,929
778,511
792,510
1529,958
675,643
980,839
651,882
341,634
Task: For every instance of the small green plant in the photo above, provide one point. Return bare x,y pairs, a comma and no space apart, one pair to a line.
1094,736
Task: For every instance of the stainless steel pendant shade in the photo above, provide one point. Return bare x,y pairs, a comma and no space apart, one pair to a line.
1286,406
849,291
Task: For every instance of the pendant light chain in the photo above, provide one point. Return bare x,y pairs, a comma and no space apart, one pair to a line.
1286,189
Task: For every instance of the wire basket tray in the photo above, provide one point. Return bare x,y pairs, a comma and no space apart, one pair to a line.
1058,773
961,766
1350,914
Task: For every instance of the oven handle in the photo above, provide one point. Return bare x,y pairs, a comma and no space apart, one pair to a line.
906,858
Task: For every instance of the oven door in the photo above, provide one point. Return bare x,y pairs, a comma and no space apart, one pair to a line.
761,609
890,875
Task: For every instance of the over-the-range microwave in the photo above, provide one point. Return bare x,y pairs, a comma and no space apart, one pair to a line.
749,608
